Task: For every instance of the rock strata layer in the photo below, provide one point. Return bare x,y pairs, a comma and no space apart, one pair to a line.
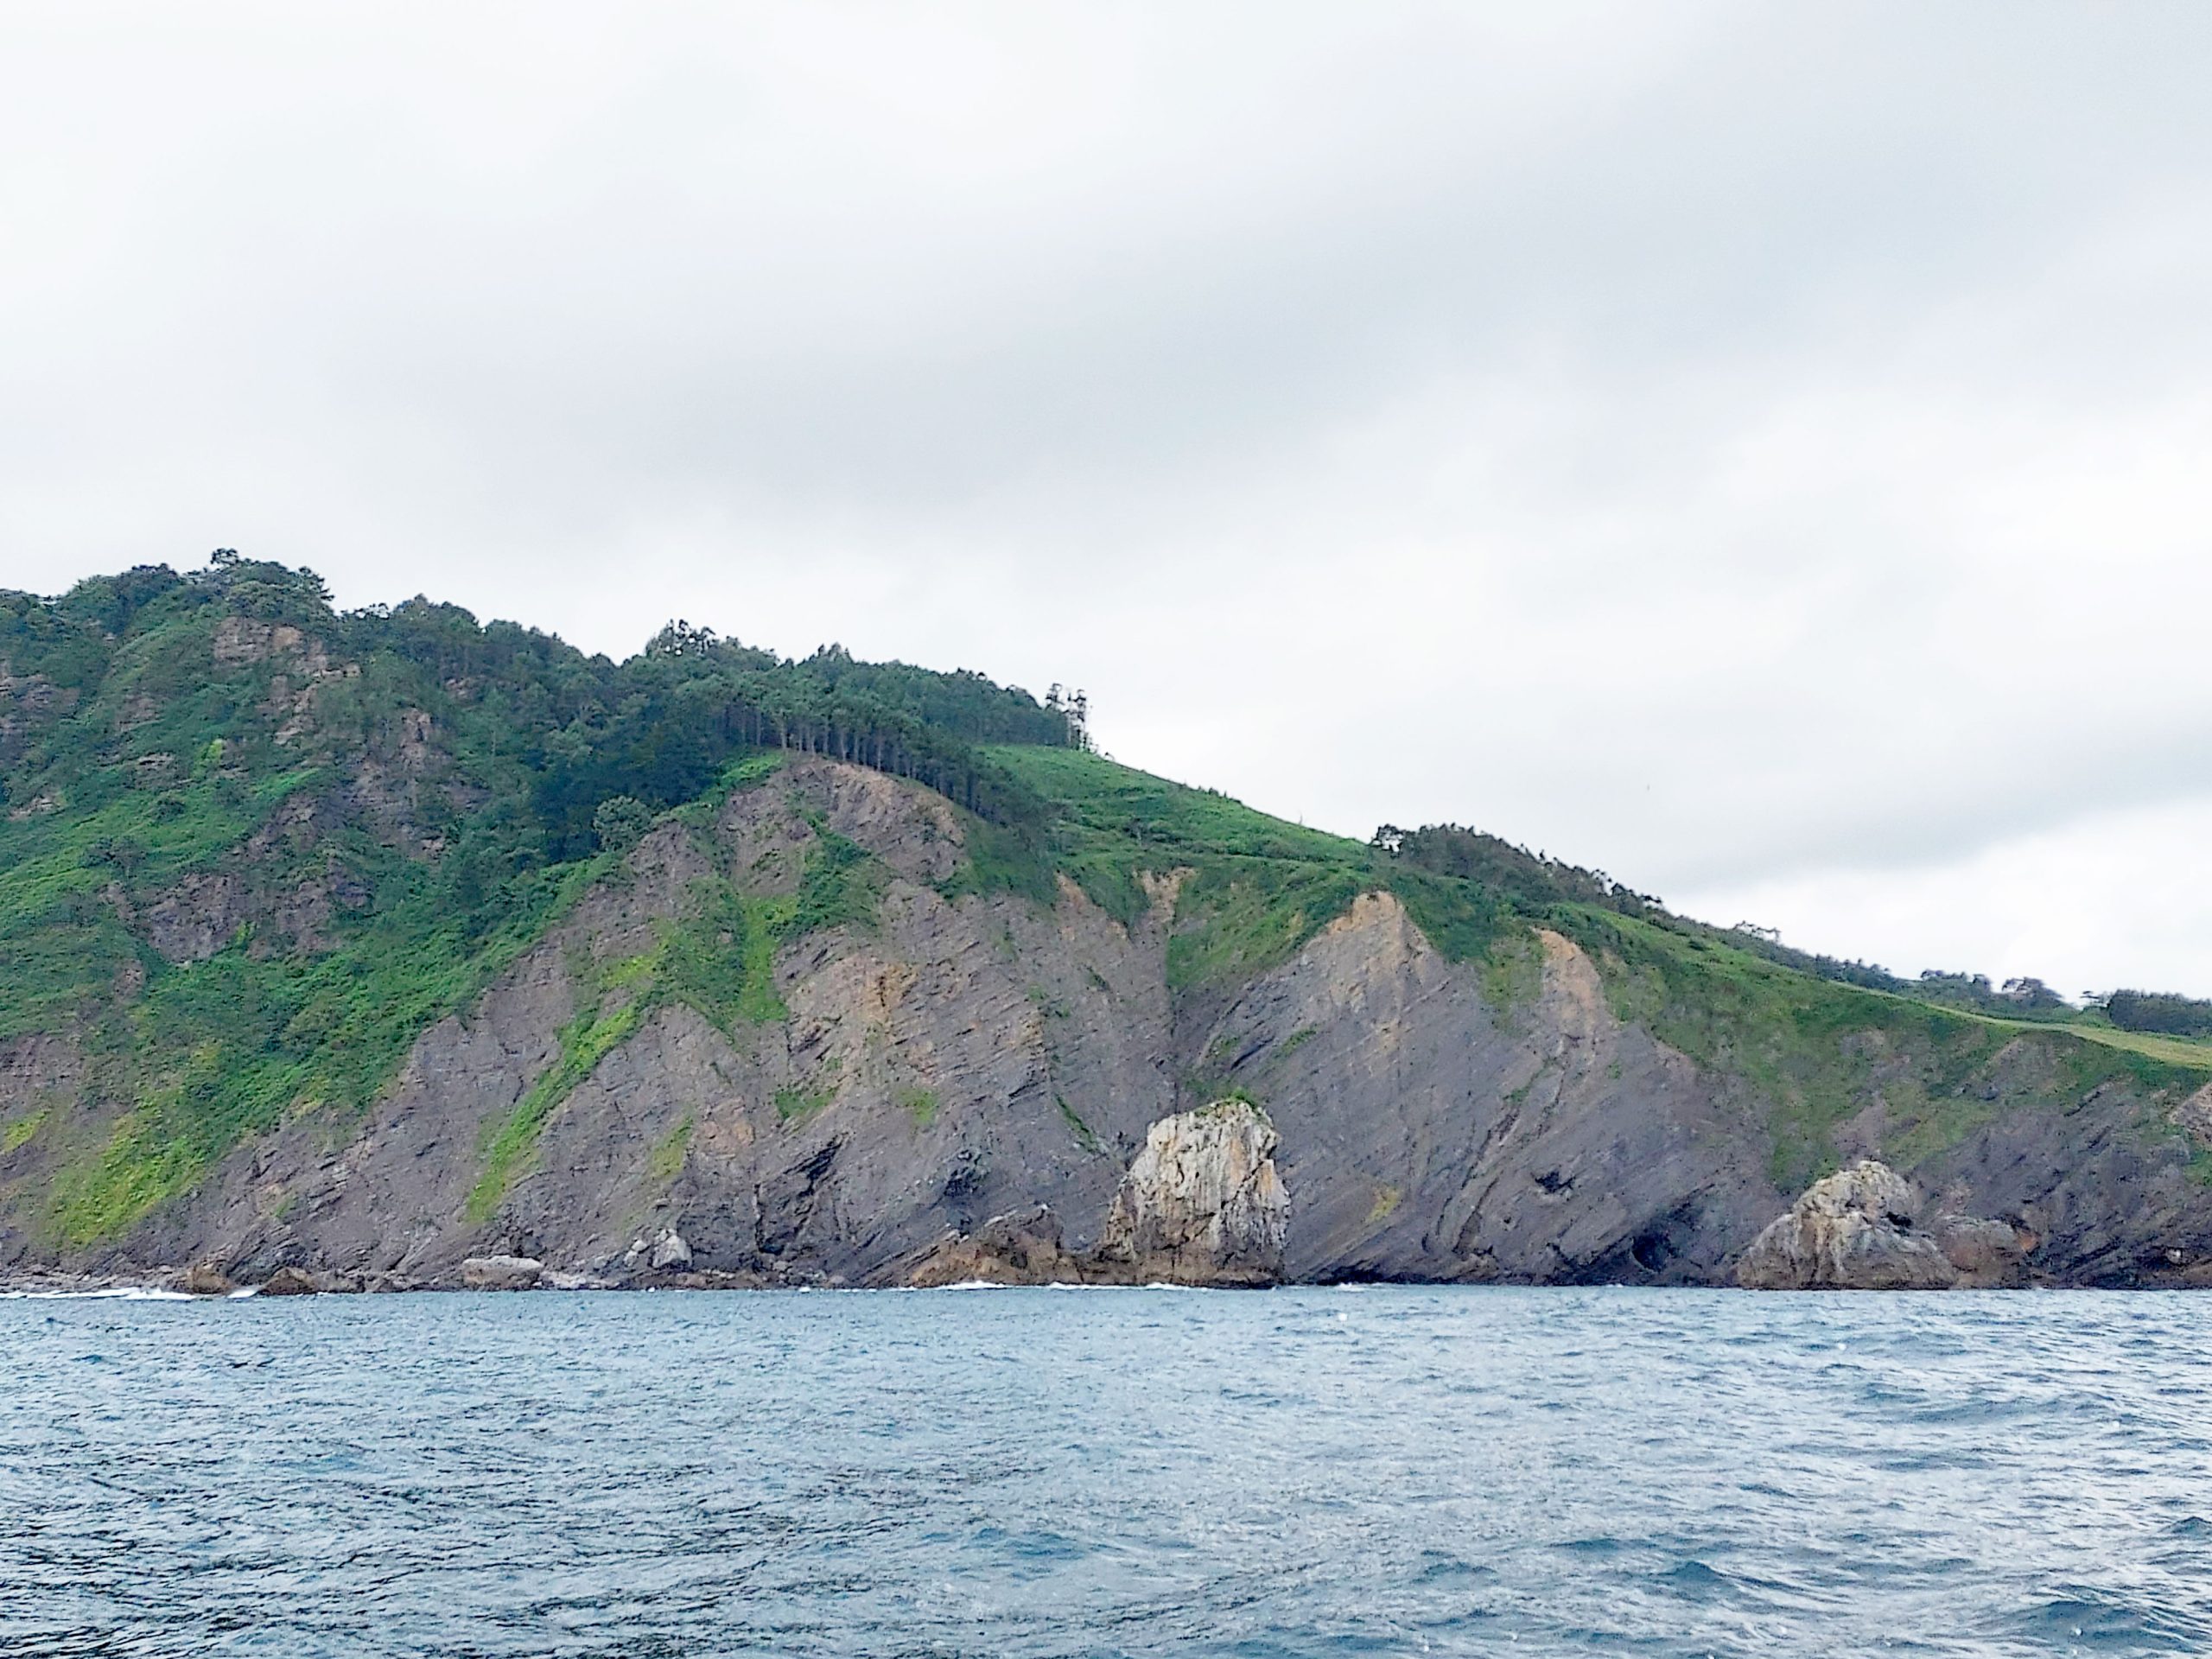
961,1084
1867,1228
1023,1247
1202,1203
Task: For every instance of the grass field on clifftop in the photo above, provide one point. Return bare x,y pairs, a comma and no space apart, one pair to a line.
1257,887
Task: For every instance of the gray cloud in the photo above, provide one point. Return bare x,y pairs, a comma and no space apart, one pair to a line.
1748,447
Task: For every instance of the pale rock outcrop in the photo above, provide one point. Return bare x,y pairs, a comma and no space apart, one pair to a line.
205,1279
1862,1228
1023,1247
1851,1230
665,1251
1202,1203
501,1273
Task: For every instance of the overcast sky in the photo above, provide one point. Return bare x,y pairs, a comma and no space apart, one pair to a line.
1764,451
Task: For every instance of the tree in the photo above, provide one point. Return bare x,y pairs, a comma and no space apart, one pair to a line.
620,823
2159,1011
2032,993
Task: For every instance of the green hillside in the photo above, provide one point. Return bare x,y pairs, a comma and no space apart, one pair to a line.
252,847
382,808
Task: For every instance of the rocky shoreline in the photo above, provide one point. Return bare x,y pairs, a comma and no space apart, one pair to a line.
385,1005
208,1281
960,1086
1202,1206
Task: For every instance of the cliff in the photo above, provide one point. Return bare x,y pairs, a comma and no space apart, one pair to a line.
348,1004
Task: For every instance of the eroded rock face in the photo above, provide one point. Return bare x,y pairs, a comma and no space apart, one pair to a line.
1434,1131
2194,1117
1986,1254
1202,1203
1023,1248
970,1061
501,1273
198,919
205,1279
1864,1227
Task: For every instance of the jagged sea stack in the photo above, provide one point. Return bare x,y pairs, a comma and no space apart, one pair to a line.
1202,1203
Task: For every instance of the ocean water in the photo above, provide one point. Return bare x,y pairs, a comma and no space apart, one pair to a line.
1016,1472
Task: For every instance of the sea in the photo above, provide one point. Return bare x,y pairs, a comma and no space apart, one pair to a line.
1135,1471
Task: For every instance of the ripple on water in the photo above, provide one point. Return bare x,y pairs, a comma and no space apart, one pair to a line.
2088,1621
1384,1470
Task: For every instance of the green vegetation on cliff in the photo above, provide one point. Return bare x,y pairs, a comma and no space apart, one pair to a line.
1256,889
716,958
252,848
1811,1047
1815,1051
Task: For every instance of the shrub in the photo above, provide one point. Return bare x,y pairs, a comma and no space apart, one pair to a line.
619,822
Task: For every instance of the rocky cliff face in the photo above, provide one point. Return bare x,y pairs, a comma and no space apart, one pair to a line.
951,1084
1431,1134
946,1061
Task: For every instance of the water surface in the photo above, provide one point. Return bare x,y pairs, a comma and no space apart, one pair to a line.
1377,1471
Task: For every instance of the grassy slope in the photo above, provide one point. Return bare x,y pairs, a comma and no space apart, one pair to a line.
214,1051
205,1053
218,1050
1259,887
1815,1050
1818,1050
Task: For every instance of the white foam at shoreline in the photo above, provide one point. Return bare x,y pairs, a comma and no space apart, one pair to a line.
106,1292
